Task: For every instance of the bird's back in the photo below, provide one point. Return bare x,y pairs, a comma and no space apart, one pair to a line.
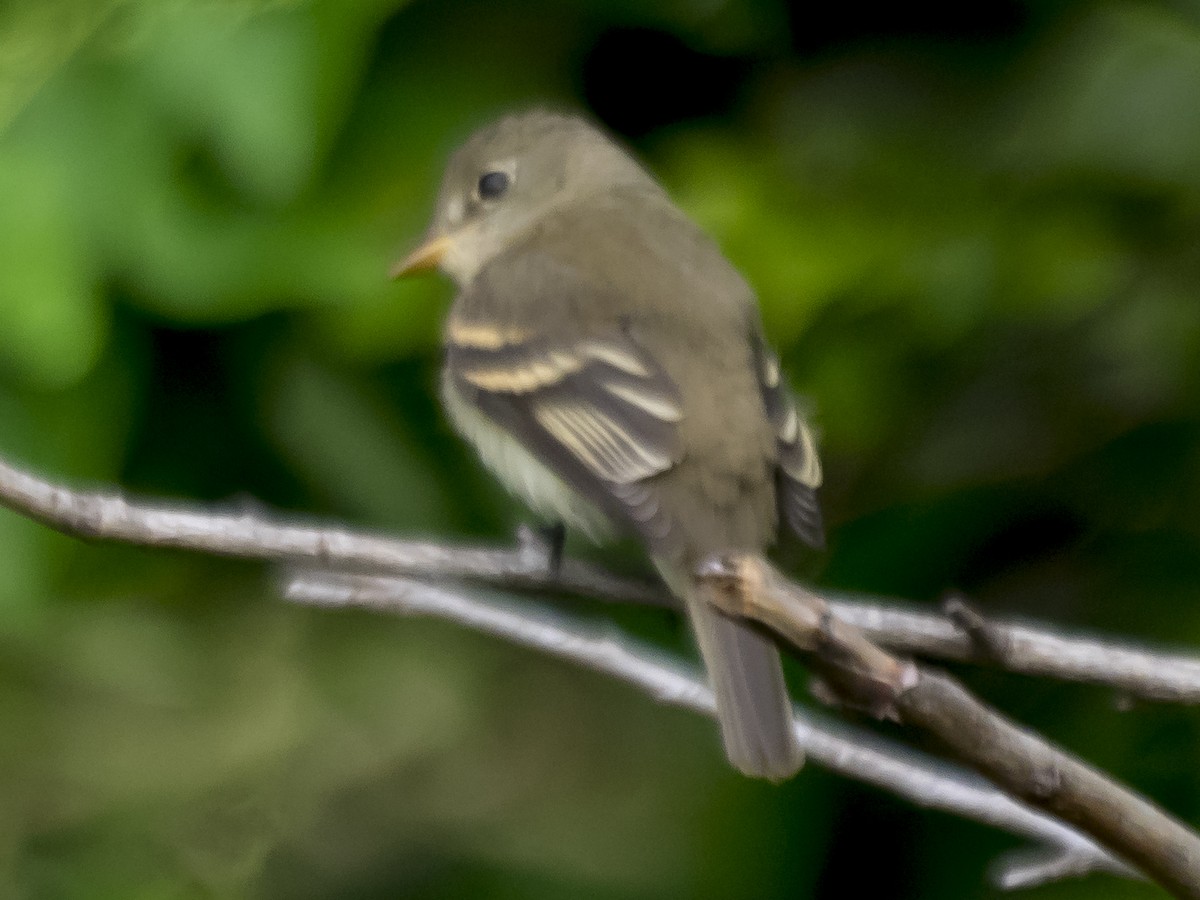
678,297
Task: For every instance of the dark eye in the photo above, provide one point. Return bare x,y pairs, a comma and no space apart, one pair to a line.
492,185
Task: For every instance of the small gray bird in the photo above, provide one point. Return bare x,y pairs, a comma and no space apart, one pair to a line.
608,364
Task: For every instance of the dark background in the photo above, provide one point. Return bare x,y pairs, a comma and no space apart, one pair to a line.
974,235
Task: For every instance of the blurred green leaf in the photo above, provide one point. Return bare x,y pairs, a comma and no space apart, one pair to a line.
350,446
52,320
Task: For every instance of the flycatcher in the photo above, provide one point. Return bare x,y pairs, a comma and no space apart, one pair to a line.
608,364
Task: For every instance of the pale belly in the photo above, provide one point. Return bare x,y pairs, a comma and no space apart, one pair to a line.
520,472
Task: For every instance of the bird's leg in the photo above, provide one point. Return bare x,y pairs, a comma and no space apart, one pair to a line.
555,536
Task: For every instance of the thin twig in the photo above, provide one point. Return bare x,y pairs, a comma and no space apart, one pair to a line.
840,748
1029,649
109,516
1031,868
1020,763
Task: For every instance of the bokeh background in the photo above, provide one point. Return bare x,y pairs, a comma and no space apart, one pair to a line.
974,230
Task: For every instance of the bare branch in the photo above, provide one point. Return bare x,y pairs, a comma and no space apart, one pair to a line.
842,749
1033,868
862,671
104,515
1019,762
1029,649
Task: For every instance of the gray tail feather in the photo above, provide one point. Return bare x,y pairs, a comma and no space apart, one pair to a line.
752,699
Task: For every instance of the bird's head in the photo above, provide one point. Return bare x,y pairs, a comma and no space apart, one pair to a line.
507,177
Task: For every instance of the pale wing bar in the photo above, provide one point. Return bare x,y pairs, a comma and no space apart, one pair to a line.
799,467
598,410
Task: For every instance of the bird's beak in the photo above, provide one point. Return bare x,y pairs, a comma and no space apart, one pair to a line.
425,257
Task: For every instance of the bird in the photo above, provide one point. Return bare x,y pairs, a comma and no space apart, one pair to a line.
609,366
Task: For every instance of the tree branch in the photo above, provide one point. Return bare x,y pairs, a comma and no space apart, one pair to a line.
1019,762
870,675
1026,648
109,516
840,748
1032,868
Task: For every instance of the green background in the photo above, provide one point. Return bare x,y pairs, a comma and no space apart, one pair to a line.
975,239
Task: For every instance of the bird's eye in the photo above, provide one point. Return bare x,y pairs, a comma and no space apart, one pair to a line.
492,185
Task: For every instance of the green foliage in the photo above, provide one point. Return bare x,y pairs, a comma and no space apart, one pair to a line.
975,243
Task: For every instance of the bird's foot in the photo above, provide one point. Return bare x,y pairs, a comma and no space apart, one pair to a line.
543,544
556,541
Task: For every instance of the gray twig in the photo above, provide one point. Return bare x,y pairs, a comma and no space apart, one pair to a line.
840,748
1019,762
110,516
1029,649
1028,868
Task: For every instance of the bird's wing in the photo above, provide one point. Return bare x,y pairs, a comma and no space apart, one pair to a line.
592,405
798,475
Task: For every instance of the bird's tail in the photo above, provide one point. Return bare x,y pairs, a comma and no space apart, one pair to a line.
747,678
